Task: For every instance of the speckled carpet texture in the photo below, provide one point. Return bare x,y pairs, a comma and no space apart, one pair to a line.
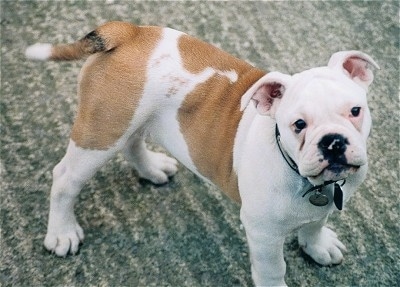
185,233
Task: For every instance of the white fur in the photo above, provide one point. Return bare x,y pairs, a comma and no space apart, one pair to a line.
272,203
78,165
231,75
272,193
38,51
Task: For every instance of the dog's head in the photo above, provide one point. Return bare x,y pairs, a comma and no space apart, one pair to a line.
322,114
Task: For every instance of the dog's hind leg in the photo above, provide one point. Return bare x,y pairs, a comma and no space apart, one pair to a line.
78,165
154,166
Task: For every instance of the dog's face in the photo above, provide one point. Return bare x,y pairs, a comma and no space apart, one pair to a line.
322,115
324,122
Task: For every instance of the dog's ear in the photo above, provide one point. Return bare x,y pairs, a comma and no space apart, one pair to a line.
266,93
356,65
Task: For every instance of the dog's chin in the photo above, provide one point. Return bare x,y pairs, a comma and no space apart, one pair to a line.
334,172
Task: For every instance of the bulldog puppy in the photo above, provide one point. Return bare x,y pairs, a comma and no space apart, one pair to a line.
290,149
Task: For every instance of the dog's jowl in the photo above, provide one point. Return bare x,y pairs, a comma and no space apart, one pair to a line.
290,149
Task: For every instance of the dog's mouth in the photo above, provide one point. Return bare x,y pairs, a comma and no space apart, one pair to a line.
341,167
335,172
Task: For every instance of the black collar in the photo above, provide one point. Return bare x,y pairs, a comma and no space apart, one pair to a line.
285,155
317,198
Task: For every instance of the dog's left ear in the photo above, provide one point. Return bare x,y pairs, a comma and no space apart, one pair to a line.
266,93
356,65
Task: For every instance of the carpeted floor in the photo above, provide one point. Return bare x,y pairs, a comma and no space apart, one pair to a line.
185,233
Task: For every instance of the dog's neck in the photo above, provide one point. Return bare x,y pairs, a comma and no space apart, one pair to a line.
317,199
286,157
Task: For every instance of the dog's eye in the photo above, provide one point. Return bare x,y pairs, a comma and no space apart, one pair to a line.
299,125
355,112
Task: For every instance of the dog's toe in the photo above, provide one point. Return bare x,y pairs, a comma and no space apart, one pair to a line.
62,242
158,168
325,249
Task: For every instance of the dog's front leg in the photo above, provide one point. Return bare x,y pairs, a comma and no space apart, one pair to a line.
268,266
321,243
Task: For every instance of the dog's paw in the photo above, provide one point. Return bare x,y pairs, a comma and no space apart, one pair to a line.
158,168
325,248
62,241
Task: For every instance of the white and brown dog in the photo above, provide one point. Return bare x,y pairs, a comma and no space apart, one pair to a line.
291,158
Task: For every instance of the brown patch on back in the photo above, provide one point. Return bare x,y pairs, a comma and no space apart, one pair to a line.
111,84
210,115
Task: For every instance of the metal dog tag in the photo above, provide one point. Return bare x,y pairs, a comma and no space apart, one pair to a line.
318,199
338,197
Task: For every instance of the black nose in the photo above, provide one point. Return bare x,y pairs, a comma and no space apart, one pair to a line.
333,147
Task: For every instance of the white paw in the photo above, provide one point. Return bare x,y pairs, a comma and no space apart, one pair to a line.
158,167
325,248
64,240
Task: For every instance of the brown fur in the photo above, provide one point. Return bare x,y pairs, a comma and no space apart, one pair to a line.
104,38
112,83
72,51
209,116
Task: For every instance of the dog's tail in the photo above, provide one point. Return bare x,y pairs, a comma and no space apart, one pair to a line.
105,38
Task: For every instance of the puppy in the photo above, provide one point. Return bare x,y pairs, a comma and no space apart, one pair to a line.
290,148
